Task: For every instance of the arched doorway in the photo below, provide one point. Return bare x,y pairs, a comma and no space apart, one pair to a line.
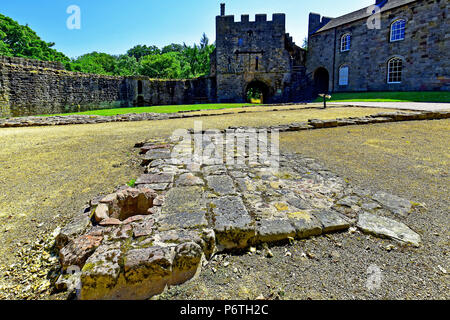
321,80
257,92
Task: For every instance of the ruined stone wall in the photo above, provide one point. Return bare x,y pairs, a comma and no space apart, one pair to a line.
424,51
32,63
171,92
30,87
240,45
4,93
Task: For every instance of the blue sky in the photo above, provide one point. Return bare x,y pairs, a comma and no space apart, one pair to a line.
114,26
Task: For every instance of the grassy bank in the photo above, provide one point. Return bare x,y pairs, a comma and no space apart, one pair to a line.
159,109
418,96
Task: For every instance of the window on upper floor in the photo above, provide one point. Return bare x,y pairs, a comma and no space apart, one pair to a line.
343,76
398,30
395,70
345,42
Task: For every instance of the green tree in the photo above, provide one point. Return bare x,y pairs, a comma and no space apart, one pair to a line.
4,49
254,93
305,43
164,66
141,51
127,66
173,61
173,48
96,62
198,58
22,41
204,41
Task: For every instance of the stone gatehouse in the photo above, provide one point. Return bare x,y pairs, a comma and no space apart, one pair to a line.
256,54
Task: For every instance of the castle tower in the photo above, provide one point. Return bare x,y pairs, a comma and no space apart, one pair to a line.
252,54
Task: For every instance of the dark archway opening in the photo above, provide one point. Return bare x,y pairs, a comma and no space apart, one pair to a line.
257,92
321,80
140,101
140,87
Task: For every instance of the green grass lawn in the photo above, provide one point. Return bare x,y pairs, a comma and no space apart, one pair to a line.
157,109
421,96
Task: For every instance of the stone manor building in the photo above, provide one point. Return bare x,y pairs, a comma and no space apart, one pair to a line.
258,55
395,45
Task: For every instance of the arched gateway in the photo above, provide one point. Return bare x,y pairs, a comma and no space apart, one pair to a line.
257,90
321,80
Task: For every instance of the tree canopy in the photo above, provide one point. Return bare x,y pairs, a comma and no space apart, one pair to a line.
173,61
140,51
21,41
164,66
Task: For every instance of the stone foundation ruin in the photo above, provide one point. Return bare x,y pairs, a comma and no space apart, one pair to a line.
136,242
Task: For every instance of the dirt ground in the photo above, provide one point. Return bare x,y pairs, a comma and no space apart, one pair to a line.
48,174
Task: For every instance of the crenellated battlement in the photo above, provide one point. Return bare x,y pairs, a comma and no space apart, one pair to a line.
277,19
316,21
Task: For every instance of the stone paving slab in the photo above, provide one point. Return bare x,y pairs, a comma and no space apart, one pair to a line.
388,228
274,230
306,224
155,178
332,221
184,200
222,185
234,226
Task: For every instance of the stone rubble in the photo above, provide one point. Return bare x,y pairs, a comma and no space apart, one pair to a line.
35,121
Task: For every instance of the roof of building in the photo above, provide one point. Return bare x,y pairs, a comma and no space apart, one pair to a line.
362,14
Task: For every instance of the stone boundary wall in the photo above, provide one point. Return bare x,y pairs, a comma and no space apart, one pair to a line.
171,92
32,87
32,63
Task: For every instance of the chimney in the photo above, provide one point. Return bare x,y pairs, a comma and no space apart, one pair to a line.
222,9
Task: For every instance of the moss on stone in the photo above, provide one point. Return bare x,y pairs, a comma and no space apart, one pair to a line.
282,206
300,215
88,267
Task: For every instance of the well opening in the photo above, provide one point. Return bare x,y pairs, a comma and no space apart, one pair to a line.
125,204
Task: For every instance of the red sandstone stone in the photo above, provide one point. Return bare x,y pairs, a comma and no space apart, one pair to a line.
110,222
